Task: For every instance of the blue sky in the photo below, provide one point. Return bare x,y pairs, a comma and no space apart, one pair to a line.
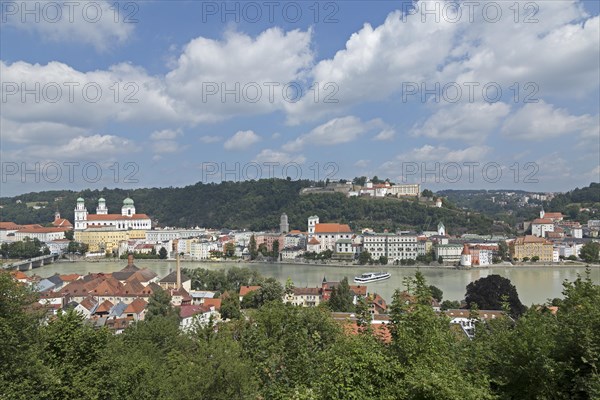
400,91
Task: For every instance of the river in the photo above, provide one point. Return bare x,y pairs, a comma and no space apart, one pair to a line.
534,284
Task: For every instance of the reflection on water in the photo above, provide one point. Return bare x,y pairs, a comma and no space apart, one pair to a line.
534,285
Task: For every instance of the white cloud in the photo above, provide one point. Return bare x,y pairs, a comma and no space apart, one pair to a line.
96,23
165,134
385,135
333,132
251,67
210,139
541,121
471,122
241,140
281,157
85,147
362,163
166,146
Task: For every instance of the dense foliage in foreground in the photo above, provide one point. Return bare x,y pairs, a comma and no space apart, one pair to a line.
285,352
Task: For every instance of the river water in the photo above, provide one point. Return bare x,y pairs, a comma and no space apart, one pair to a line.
534,284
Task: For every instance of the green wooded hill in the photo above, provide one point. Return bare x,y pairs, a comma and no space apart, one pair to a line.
255,205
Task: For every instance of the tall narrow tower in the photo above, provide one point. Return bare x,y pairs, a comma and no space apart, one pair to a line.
313,220
80,215
101,209
284,226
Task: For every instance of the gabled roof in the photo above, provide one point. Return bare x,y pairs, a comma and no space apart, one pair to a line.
117,309
70,277
104,307
55,279
307,291
90,304
132,288
244,290
314,240
115,217
172,278
542,221
143,275
332,228
216,303
62,223
136,306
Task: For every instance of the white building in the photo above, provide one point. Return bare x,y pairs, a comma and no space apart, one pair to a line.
128,219
327,234
448,252
394,246
42,234
540,226
202,250
163,235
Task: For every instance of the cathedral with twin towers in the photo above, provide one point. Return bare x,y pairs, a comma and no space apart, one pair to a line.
128,219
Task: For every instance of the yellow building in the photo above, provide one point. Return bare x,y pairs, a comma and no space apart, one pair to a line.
530,246
101,239
135,234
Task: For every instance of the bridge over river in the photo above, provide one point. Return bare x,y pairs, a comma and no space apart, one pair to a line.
31,263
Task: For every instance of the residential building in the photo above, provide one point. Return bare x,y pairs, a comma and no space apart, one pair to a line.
540,226
327,233
531,246
394,246
450,253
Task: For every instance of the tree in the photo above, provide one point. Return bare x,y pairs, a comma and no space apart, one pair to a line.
449,305
163,253
252,248
159,305
427,193
230,306
535,259
69,234
276,250
364,257
363,314
572,257
525,259
383,260
489,293
503,249
440,260
229,250
590,252
262,249
342,298
436,293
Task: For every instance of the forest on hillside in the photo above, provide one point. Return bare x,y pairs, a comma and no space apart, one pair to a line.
254,205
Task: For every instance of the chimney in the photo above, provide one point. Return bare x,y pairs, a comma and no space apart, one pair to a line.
130,260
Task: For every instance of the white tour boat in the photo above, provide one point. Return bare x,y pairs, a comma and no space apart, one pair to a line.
371,277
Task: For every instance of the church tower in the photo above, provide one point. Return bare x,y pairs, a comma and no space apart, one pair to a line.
542,213
284,226
441,229
465,256
128,208
313,220
80,215
101,209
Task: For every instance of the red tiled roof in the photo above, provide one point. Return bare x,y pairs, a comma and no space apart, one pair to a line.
62,222
216,303
244,290
314,240
115,217
42,229
136,306
542,221
104,307
332,228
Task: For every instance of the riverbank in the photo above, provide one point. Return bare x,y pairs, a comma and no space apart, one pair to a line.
241,263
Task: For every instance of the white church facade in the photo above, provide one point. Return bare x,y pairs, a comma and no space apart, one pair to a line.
128,219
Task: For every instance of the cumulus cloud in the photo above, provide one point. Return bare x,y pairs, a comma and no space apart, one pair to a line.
97,23
276,156
471,122
541,121
385,135
241,140
333,132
